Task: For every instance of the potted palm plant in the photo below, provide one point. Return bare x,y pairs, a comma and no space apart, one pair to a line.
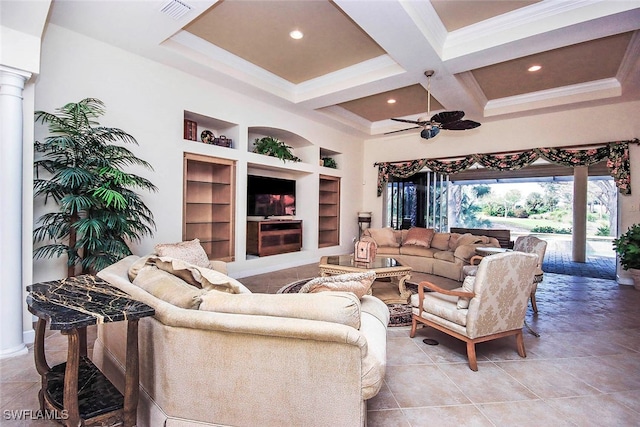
627,246
79,169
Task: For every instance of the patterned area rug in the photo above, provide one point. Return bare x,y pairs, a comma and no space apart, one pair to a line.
400,314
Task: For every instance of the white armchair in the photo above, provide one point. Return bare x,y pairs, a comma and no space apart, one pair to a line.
490,305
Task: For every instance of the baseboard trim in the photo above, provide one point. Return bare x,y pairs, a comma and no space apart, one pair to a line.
624,280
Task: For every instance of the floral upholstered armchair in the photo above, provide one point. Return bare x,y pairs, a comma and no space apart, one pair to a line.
533,245
529,244
490,305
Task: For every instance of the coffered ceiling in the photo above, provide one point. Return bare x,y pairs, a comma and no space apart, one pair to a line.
355,55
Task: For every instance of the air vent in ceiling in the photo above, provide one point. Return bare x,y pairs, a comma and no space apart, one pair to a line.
175,9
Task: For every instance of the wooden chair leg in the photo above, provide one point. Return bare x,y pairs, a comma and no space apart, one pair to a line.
414,325
520,343
533,302
471,354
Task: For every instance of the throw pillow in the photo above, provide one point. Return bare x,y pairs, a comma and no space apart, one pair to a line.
190,251
440,241
467,286
358,283
169,288
419,236
384,236
199,277
469,239
465,252
135,268
453,241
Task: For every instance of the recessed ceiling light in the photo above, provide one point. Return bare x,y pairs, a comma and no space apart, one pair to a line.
534,68
296,34
391,101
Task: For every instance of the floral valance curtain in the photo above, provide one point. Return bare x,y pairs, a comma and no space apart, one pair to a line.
616,154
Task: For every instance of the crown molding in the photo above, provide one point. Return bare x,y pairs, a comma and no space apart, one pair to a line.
631,58
600,89
365,72
221,60
529,21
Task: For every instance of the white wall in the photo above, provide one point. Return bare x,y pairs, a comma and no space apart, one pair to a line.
147,100
584,126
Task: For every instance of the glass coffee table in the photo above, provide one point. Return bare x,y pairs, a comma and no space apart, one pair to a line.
383,267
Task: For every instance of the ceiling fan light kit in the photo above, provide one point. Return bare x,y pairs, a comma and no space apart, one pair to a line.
448,120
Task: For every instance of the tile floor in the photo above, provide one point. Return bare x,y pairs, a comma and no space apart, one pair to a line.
584,370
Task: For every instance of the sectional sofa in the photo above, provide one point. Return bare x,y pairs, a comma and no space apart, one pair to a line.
218,354
428,251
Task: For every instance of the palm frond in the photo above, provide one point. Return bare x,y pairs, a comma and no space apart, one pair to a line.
75,203
50,251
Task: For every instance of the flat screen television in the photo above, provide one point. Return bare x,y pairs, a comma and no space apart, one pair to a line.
270,196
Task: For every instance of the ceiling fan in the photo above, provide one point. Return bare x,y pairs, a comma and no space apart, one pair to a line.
448,120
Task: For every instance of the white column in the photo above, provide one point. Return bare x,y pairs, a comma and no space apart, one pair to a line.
580,182
11,124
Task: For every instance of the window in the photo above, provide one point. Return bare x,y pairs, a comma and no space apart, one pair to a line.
418,201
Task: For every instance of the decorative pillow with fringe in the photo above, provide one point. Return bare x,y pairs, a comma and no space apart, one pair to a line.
169,288
358,283
419,236
190,251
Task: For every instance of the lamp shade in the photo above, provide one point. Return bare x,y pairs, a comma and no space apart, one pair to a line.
364,220
364,216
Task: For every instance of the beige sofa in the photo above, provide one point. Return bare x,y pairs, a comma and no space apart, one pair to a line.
246,359
427,251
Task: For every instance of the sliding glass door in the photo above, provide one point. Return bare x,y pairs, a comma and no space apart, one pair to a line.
418,201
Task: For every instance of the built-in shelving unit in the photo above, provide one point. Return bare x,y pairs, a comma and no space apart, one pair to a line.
209,200
224,132
215,176
329,211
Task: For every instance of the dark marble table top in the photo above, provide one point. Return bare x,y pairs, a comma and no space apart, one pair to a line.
81,301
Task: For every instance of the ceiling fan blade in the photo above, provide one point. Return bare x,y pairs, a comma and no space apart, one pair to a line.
447,117
408,121
460,125
402,130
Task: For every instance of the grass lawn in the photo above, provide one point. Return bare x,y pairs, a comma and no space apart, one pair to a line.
524,224
528,224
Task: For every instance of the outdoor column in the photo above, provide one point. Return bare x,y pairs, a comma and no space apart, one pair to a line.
580,180
11,296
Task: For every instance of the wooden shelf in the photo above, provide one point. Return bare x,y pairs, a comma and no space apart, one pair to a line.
329,211
209,203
